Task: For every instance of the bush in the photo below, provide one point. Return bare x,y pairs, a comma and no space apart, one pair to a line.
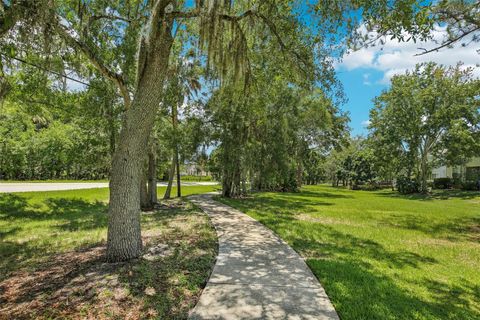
356,187
406,185
371,186
289,182
195,178
442,183
470,185
386,184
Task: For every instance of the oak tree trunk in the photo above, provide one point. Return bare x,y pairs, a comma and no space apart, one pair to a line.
177,161
424,171
177,158
299,171
152,177
171,174
124,239
174,158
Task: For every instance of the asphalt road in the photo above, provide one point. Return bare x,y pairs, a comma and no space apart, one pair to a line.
54,186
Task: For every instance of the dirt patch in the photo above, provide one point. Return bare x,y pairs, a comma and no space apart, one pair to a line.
165,283
474,232
54,285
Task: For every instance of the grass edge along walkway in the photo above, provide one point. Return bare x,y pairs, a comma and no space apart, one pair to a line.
381,255
257,275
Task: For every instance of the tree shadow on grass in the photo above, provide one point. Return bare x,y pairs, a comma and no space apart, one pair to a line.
317,194
75,213
347,266
277,205
459,229
457,293
67,214
358,292
7,232
434,195
339,260
169,276
326,242
79,284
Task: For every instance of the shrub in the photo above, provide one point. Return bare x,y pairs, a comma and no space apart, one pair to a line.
406,185
386,184
357,187
196,178
289,182
442,183
470,185
371,186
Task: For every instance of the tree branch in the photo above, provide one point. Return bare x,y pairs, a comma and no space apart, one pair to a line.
184,14
448,43
196,13
44,69
116,78
284,47
109,17
249,13
244,15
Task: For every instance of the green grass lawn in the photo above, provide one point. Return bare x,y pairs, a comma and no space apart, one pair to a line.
184,178
53,181
34,225
52,247
381,255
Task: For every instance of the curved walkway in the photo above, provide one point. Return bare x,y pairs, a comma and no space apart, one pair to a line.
257,275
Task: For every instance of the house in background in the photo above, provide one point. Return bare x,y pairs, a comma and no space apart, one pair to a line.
194,169
468,172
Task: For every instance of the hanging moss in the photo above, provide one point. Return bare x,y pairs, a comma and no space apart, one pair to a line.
223,40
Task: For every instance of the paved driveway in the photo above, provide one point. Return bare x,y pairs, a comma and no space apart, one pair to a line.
47,186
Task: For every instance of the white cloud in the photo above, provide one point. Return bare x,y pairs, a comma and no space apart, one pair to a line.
366,79
397,57
366,123
388,74
358,59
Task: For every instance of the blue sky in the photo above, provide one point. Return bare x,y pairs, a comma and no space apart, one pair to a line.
366,72
360,86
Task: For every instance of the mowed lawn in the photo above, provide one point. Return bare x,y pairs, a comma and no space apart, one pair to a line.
381,255
52,248
34,225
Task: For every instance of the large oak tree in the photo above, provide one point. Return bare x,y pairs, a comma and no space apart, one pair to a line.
130,42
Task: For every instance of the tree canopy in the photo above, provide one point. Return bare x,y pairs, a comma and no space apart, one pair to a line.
162,81
429,116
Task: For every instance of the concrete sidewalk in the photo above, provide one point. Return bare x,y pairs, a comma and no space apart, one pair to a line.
257,275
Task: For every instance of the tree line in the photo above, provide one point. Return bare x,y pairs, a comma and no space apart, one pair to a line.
258,78
429,117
